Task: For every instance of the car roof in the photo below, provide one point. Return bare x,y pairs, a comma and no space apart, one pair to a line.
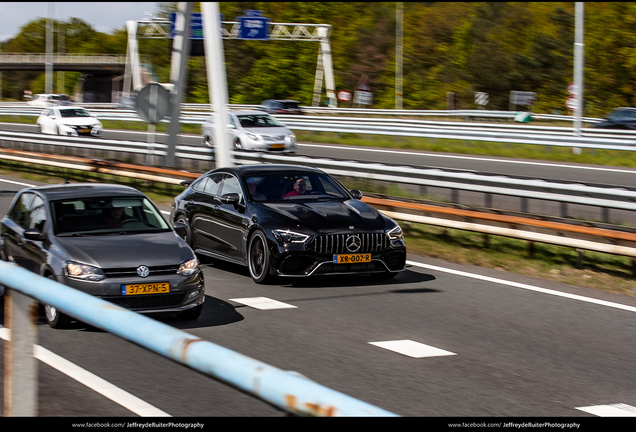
83,190
268,169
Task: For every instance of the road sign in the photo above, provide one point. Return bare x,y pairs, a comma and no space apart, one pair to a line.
572,103
153,103
254,28
573,89
344,96
481,98
523,98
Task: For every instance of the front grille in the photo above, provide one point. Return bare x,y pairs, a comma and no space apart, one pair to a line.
147,301
337,243
132,271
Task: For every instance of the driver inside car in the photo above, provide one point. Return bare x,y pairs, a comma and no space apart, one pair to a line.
115,217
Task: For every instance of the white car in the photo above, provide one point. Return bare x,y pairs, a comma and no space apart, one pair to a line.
68,120
253,130
48,100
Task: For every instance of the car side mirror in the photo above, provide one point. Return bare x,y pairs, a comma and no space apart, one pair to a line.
231,198
356,193
34,234
186,183
181,228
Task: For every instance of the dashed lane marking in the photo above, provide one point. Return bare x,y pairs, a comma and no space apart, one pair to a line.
412,349
262,303
612,410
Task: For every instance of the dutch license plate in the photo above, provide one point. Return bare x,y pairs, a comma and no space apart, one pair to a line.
84,130
277,146
145,288
351,258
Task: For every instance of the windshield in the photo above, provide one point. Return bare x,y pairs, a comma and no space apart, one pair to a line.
294,186
258,120
106,215
74,112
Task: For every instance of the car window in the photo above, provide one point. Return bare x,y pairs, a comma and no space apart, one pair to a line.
258,120
21,208
37,215
231,185
105,215
75,112
288,105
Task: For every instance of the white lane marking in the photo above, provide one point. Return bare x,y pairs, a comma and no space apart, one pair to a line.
441,155
612,410
18,183
262,303
412,349
525,286
92,381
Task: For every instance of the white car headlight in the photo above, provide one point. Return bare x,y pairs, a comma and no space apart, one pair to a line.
253,137
83,271
287,236
396,233
189,267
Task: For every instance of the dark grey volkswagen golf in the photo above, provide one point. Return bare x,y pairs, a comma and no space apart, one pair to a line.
107,240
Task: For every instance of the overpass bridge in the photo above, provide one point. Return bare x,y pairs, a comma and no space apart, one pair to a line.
101,78
96,63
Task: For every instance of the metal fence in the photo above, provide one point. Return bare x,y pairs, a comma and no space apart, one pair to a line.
289,391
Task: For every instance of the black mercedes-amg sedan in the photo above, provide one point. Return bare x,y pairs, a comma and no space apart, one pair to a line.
288,221
106,240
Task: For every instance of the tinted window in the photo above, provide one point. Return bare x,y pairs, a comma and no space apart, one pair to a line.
37,215
75,112
19,212
231,185
258,120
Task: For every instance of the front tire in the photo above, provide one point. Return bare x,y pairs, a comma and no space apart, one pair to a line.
54,317
238,145
258,258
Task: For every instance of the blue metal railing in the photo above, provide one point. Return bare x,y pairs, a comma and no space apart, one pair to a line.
286,390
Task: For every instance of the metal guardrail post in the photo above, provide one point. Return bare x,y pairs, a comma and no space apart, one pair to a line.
20,370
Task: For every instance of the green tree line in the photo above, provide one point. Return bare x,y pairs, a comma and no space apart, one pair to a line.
456,48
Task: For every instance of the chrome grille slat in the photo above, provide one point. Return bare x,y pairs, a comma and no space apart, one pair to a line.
336,243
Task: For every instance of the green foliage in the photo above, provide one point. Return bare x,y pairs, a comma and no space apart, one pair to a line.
448,47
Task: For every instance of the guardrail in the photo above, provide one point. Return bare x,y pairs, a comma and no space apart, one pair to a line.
288,391
603,196
563,232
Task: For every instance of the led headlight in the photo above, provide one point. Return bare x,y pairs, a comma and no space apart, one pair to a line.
83,271
287,236
189,267
396,233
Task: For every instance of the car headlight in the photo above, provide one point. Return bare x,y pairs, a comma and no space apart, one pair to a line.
83,271
253,137
395,233
189,267
292,138
287,236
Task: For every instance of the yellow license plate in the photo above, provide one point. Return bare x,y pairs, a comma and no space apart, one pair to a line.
277,146
84,130
351,258
145,288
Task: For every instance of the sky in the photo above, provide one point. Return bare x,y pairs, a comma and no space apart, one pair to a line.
102,16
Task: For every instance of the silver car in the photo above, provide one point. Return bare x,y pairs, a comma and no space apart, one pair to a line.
253,130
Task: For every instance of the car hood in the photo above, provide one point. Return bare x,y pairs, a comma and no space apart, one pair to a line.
79,121
127,250
268,130
322,215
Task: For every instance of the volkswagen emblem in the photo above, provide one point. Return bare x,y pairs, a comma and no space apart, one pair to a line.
143,271
353,243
